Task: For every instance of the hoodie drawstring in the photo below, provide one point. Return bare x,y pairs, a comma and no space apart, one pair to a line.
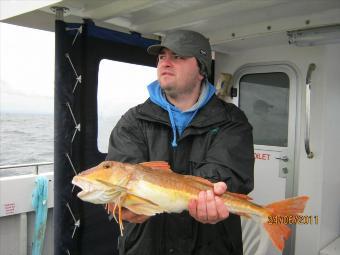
173,126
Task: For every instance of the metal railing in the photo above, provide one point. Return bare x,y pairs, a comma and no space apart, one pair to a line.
35,165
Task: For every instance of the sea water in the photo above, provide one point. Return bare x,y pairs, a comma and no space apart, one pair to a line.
25,138
28,138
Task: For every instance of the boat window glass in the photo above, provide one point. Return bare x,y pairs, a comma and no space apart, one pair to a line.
120,87
264,97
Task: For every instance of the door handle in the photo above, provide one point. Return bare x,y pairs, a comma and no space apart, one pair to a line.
283,158
311,68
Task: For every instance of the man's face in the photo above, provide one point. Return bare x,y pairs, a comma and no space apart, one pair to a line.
177,75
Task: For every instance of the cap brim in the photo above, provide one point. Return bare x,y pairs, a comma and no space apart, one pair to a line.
154,49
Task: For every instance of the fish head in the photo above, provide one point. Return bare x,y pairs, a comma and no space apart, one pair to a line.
102,184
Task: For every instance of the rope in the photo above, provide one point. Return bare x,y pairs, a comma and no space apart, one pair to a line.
39,203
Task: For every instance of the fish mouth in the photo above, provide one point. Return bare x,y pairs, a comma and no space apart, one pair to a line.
92,191
85,185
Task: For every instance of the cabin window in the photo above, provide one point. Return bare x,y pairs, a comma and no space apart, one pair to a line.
120,87
264,97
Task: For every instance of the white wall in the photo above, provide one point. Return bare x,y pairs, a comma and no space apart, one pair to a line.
319,177
330,227
10,242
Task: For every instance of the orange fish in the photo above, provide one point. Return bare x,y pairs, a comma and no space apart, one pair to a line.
151,187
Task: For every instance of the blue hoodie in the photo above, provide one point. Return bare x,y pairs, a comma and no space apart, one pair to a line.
179,119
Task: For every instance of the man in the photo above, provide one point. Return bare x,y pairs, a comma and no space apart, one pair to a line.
185,124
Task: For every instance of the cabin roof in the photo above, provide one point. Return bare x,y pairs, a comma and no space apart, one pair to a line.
231,25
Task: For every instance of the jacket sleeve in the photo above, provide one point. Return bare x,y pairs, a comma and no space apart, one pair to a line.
230,157
126,143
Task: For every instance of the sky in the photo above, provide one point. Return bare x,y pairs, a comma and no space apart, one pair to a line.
27,75
26,70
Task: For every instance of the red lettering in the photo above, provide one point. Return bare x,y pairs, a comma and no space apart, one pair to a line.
9,208
262,156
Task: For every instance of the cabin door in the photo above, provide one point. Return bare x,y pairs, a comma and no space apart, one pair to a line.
267,95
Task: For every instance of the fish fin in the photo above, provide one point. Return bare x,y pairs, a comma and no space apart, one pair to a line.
278,233
141,206
135,204
206,183
239,195
288,207
120,220
112,207
157,165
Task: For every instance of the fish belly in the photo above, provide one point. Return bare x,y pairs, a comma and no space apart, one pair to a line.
168,199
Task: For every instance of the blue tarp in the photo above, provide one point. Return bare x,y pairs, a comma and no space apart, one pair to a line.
106,34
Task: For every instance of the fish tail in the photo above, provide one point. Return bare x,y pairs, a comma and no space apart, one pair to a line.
288,207
277,230
278,234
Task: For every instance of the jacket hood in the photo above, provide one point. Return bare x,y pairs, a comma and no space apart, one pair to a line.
179,119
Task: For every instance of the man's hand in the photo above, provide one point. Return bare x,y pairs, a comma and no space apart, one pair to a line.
209,207
127,215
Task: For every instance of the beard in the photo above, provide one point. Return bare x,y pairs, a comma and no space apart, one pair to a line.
174,89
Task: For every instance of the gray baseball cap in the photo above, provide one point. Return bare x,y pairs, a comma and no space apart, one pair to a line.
186,43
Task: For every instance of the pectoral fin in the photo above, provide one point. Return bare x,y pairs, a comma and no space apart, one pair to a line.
141,206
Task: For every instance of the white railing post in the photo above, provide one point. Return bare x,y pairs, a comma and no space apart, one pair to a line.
23,234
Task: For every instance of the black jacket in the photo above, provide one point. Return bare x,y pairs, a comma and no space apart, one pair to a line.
217,145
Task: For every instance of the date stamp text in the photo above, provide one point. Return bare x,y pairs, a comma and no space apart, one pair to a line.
293,219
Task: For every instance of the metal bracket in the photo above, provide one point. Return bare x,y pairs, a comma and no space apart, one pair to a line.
59,12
